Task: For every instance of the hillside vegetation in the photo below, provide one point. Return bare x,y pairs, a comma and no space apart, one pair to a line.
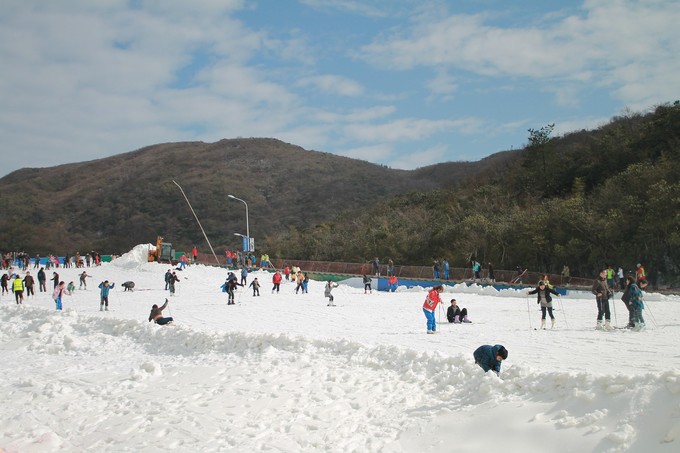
112,204
590,198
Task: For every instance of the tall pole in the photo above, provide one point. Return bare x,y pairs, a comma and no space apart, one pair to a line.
247,220
198,221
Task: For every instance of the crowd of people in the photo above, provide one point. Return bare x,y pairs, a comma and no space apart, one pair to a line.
488,357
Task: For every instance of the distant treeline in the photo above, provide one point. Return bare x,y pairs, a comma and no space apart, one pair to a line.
587,199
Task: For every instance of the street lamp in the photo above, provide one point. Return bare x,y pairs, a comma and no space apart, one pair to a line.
247,220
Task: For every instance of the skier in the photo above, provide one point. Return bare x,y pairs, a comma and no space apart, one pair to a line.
543,292
156,314
59,291
104,295
490,357
455,314
256,287
602,293
633,299
327,292
429,307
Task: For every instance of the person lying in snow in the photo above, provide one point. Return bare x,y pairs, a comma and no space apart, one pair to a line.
156,314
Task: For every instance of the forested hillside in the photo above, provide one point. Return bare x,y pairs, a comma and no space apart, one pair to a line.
590,198
113,204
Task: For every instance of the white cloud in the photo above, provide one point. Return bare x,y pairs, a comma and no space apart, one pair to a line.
599,46
408,129
334,84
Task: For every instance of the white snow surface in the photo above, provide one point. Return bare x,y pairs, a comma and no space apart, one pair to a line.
286,373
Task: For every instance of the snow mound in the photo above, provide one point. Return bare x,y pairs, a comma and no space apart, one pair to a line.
321,395
135,258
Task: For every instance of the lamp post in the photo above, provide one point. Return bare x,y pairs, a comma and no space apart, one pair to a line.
247,220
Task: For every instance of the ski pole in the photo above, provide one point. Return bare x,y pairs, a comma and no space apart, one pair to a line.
651,314
529,312
559,299
616,322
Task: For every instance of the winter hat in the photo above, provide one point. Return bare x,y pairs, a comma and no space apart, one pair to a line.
503,352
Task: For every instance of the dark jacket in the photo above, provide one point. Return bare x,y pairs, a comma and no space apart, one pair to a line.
157,312
600,288
548,292
485,356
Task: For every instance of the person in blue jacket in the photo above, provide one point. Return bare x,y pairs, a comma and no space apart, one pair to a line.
490,357
104,294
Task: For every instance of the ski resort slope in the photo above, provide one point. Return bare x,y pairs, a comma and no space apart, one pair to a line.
286,373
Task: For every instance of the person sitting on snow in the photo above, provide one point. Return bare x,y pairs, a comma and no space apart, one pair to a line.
455,314
156,314
490,357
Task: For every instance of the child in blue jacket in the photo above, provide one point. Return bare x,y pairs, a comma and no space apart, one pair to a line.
490,357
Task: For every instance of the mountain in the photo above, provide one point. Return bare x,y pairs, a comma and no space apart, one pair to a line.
114,203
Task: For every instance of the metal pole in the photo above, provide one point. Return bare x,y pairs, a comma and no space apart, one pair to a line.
247,219
199,223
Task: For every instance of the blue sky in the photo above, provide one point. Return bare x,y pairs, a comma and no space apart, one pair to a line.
396,82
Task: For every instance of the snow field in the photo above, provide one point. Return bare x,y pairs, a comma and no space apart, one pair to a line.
285,373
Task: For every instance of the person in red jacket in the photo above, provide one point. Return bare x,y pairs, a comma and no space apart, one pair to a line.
276,280
429,307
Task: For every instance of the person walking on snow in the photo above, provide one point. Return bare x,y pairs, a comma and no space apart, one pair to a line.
256,287
429,307
367,284
42,278
83,276
327,292
276,280
543,297
490,357
28,284
18,289
602,293
58,293
171,283
104,295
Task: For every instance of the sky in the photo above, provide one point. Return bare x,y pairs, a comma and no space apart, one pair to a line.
403,83
284,372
